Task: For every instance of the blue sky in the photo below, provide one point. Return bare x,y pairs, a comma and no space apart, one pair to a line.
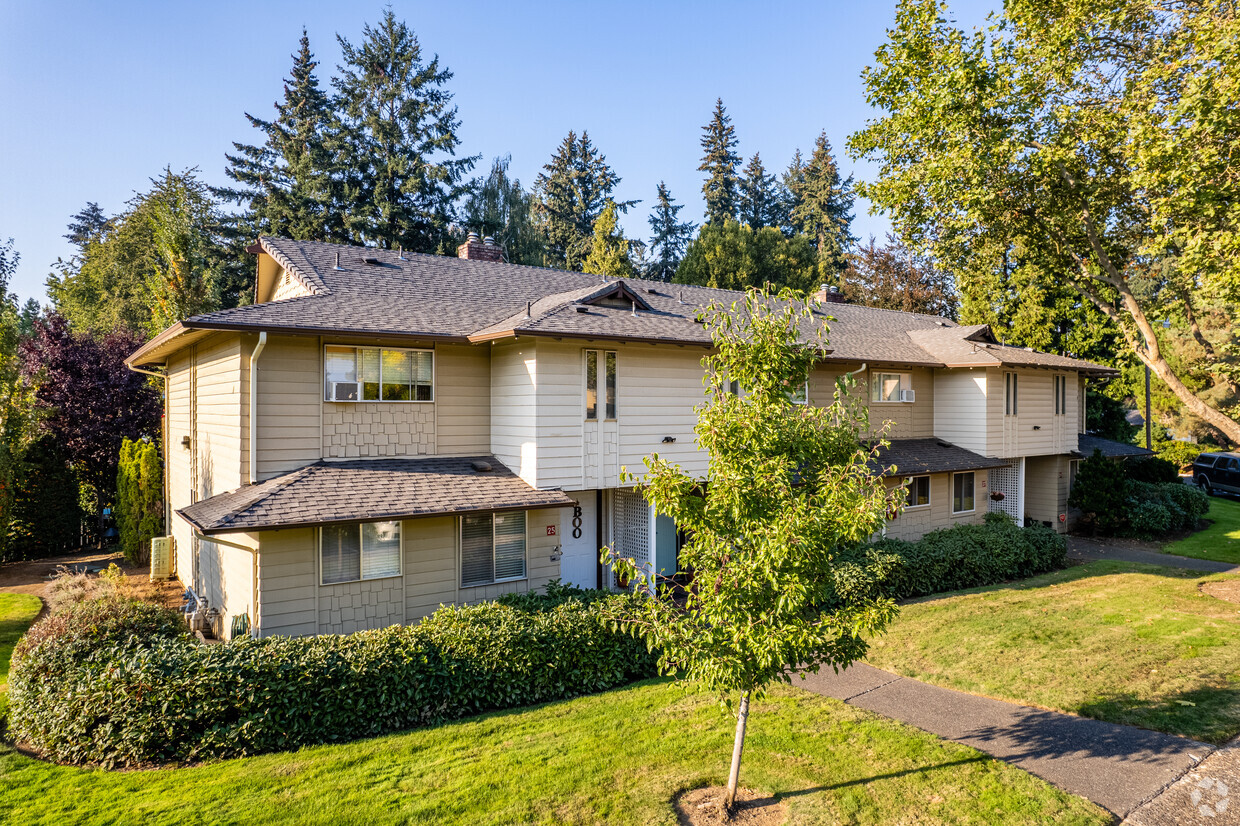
99,97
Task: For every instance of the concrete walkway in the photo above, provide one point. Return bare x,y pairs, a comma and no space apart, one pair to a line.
1090,549
1117,767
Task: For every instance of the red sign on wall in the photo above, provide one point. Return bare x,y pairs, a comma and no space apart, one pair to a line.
551,530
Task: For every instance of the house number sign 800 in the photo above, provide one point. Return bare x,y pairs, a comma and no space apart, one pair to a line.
577,522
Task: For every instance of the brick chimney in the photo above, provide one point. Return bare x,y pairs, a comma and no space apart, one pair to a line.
829,294
476,250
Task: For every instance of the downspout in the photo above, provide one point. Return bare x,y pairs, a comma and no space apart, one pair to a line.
255,624
163,439
258,351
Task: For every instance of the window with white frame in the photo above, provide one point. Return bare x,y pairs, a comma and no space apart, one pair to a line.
962,492
890,387
348,553
492,548
388,374
600,381
1009,394
918,492
799,394
1061,395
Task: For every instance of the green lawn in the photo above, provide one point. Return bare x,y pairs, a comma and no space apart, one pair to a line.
618,757
1219,542
17,611
1126,643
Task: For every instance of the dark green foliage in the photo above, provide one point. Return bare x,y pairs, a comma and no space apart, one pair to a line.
669,237
139,498
498,206
46,517
168,699
569,195
1106,416
1151,469
55,643
1099,494
761,200
965,556
397,141
895,277
1156,509
732,256
719,162
1149,519
822,207
1180,454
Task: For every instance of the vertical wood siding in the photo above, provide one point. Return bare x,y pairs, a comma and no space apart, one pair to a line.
964,408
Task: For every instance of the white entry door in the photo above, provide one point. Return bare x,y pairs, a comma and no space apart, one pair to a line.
579,543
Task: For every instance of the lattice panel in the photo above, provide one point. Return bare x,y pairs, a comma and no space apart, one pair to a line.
631,527
1007,481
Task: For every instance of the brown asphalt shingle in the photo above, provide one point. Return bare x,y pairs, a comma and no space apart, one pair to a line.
913,457
1086,445
365,490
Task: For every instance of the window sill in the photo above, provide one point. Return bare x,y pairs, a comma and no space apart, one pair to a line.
964,513
494,582
355,581
908,508
379,401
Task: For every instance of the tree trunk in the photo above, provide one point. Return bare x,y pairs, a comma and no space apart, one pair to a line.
742,717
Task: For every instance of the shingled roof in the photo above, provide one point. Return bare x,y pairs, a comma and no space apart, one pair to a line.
369,490
1087,444
913,457
436,297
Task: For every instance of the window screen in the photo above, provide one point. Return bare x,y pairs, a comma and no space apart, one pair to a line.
962,492
348,553
341,553
375,374
492,548
918,491
1009,394
886,387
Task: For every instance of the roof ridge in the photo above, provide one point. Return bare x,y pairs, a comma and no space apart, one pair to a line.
314,284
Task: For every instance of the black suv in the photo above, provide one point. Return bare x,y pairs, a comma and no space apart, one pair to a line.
1215,472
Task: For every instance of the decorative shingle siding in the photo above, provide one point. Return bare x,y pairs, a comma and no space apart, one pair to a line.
288,287
360,429
359,606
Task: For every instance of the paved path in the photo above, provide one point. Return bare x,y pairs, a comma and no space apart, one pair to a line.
1082,548
1209,795
1117,767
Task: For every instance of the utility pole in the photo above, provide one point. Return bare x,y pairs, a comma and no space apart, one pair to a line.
1148,441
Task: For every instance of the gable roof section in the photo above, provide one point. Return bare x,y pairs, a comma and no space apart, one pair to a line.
370,490
380,293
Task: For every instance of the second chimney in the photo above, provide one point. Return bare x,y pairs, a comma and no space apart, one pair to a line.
479,250
829,294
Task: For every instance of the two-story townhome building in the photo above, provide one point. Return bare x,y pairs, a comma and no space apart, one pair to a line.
380,433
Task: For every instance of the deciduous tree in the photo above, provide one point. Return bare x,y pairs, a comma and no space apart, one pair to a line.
732,256
498,206
895,278
1098,138
789,489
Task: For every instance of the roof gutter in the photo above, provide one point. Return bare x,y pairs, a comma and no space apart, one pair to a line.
258,351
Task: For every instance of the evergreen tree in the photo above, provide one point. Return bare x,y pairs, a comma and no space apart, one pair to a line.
286,183
760,198
732,256
719,161
181,214
86,225
823,207
569,196
793,181
398,141
670,237
609,252
498,206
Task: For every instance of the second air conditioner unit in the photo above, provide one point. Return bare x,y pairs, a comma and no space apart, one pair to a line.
908,395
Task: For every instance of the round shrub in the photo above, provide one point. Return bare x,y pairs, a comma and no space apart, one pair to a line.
1192,500
1149,519
131,700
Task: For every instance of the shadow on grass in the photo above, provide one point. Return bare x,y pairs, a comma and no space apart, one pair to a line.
1210,713
861,781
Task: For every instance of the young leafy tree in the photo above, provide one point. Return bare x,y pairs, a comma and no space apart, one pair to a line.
16,413
823,207
669,237
88,401
182,218
895,278
609,253
1098,138
790,488
761,199
719,162
569,196
732,256
398,141
286,184
498,206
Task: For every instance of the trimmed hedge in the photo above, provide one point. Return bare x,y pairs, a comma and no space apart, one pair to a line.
132,700
951,559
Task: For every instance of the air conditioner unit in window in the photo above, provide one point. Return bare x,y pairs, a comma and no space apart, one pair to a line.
344,391
908,395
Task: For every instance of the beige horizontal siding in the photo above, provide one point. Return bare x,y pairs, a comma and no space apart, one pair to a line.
462,399
915,523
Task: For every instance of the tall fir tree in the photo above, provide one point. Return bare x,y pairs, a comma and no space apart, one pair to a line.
719,162
497,205
397,141
823,208
761,199
86,226
793,181
609,250
669,237
569,196
285,184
